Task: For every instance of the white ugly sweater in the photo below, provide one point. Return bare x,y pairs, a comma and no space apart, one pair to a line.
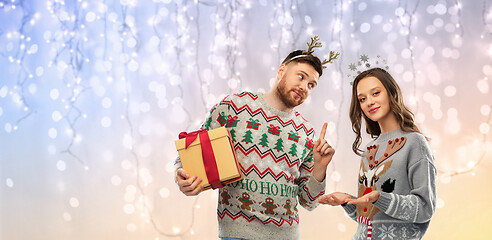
274,149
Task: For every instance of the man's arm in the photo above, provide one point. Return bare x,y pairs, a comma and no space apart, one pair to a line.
191,185
322,154
313,172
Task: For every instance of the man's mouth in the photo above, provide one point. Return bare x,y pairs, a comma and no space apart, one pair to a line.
297,93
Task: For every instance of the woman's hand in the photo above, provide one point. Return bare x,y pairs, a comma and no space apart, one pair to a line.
334,199
368,198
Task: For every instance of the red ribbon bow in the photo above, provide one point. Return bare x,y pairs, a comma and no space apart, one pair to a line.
207,154
190,137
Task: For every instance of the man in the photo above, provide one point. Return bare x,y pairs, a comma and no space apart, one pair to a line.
282,164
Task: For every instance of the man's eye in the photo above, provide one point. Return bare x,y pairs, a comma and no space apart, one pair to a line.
301,77
311,86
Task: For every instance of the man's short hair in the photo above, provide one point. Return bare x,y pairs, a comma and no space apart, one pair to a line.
309,59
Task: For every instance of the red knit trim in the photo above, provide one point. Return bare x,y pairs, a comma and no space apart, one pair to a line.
268,170
268,153
296,126
250,219
311,196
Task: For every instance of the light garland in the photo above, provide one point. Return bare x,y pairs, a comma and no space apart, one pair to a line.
23,47
68,43
180,43
486,19
406,19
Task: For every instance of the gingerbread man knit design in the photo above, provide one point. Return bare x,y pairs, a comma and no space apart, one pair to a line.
275,154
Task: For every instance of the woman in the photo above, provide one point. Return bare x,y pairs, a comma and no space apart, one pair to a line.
396,191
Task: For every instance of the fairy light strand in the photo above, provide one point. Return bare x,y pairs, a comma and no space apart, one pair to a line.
275,44
457,5
197,56
71,45
477,163
182,12
410,15
70,50
486,13
128,31
336,36
24,74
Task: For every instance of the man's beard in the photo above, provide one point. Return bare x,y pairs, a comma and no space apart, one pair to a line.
285,96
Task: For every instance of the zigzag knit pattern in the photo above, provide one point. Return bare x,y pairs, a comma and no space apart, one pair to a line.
274,150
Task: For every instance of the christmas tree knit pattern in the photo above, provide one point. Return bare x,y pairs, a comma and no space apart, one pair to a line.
274,150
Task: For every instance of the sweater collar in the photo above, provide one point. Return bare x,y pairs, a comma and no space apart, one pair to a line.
391,135
273,110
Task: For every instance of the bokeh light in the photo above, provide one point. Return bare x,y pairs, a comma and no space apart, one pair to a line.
94,93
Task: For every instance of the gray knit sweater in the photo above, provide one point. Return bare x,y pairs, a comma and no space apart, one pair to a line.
401,167
274,149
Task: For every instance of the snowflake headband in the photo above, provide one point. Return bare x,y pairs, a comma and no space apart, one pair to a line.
365,63
314,44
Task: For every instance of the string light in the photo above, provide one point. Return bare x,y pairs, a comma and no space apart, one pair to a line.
90,50
336,38
23,47
486,19
67,43
406,18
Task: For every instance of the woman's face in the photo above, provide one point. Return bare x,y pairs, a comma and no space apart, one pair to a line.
373,99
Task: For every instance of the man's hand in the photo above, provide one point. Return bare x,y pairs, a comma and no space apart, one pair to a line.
334,199
189,186
323,153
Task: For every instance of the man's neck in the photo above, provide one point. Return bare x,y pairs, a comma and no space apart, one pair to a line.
274,101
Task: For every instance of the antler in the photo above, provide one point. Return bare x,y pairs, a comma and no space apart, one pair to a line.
392,147
333,56
314,44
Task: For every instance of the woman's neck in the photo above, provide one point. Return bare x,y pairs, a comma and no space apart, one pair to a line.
388,123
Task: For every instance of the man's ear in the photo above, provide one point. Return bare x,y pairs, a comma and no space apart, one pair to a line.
281,71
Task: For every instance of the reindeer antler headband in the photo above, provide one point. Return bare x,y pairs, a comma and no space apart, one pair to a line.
315,44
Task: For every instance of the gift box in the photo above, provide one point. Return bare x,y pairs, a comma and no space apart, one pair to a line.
209,155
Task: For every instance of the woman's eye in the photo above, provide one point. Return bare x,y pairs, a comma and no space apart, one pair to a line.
301,77
376,93
362,99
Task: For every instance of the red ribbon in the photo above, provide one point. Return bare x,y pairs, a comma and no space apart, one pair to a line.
207,155
190,137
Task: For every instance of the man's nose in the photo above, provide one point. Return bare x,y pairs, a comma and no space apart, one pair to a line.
304,86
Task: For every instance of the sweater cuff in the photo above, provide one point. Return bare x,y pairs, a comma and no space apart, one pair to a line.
316,188
177,163
349,208
384,201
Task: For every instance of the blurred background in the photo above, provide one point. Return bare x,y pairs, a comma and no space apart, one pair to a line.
94,93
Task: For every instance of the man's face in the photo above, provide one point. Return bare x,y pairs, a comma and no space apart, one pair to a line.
296,83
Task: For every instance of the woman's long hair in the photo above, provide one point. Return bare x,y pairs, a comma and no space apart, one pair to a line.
402,114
